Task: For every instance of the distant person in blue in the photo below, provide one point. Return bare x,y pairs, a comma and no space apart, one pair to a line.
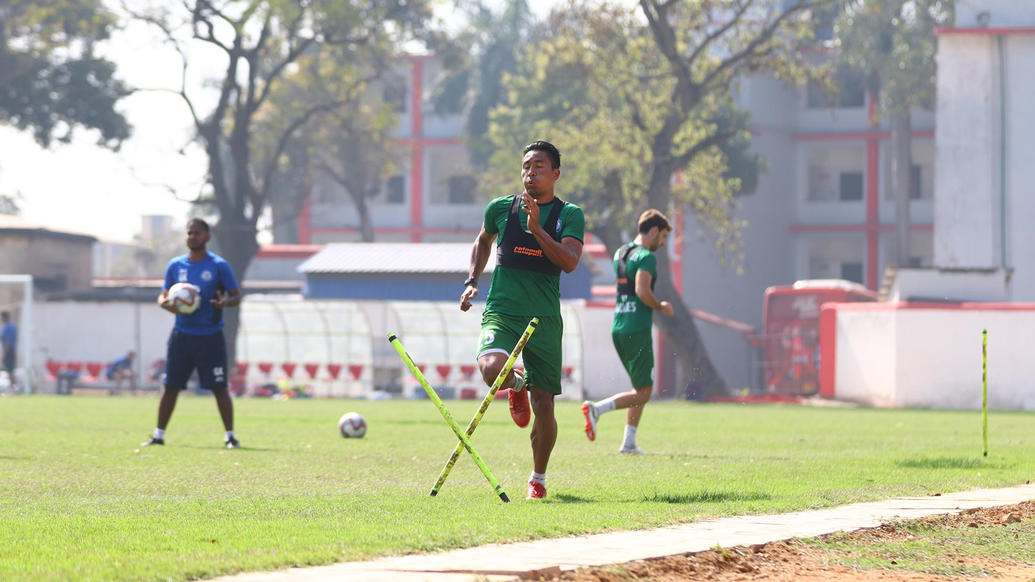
196,341
9,341
122,369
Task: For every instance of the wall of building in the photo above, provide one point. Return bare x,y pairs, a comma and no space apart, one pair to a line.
928,355
966,210
57,262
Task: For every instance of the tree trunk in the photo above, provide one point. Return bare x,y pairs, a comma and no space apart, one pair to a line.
366,223
683,340
901,171
238,245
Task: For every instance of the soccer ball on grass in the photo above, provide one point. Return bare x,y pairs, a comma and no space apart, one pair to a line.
185,297
352,426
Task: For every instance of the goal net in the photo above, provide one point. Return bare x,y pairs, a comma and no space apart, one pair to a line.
16,300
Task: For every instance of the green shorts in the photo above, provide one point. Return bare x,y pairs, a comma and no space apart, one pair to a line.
542,353
636,351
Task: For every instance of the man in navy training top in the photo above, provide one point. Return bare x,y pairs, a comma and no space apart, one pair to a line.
197,341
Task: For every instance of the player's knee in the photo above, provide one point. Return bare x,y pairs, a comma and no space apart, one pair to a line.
489,374
643,395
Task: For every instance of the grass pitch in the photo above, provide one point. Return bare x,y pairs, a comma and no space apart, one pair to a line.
79,499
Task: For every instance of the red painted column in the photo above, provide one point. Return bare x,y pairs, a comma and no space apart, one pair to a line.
872,198
304,233
416,150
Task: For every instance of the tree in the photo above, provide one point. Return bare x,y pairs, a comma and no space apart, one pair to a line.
260,43
892,43
475,62
11,205
352,145
639,97
51,83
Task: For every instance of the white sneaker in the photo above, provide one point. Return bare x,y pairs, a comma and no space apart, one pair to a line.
634,450
591,414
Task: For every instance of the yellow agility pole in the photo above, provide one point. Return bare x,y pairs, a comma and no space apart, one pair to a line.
500,378
984,391
445,414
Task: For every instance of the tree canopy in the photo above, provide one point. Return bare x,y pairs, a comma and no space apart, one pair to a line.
893,43
51,82
260,44
641,100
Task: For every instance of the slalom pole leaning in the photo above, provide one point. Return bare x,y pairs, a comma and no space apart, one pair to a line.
500,378
447,416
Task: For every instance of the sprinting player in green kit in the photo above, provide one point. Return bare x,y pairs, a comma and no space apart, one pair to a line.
635,272
540,235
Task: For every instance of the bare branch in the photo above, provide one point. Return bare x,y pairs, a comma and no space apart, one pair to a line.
175,42
719,32
763,36
718,138
288,133
197,19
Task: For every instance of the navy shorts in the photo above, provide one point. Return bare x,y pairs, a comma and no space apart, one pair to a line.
204,353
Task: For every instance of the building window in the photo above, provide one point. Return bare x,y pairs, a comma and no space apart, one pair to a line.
394,94
850,91
916,189
450,181
461,189
395,190
852,271
851,186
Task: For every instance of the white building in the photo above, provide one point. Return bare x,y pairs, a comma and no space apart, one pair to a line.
986,141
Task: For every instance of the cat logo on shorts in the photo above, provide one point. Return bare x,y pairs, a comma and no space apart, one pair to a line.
488,336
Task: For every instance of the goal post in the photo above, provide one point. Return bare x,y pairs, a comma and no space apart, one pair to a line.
25,331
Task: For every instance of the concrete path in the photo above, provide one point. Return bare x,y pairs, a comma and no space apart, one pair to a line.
510,561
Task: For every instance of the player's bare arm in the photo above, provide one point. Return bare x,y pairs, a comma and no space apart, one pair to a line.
232,298
164,303
565,254
646,295
479,257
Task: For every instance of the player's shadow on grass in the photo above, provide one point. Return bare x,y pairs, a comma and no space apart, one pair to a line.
704,497
949,463
239,450
568,498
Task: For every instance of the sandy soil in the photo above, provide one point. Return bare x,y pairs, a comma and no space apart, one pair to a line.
791,561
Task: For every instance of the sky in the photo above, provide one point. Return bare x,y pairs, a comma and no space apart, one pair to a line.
81,187
84,188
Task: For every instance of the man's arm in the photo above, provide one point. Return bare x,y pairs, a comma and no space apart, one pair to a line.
479,257
232,298
646,294
164,303
564,254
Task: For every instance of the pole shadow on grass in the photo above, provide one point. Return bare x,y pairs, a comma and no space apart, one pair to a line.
949,463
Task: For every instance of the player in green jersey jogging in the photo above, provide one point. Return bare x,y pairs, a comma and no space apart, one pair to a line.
635,271
539,235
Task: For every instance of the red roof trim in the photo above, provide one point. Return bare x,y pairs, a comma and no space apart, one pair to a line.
856,135
985,31
287,251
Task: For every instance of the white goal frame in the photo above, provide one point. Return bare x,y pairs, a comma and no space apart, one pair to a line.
24,328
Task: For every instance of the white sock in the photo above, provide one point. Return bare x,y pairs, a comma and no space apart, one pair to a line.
159,433
539,478
229,435
606,405
518,381
630,437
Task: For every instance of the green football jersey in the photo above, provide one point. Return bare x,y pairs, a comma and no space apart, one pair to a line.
518,291
631,314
